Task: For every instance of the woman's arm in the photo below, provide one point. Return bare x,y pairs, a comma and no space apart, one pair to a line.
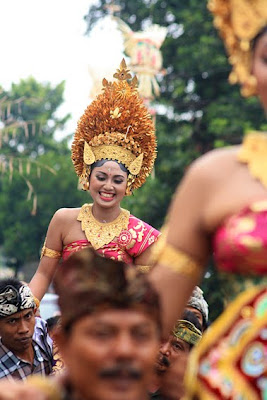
145,258
183,258
47,266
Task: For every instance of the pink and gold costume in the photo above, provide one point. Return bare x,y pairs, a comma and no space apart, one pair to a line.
121,240
231,360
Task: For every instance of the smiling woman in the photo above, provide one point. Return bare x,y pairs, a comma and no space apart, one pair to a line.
113,152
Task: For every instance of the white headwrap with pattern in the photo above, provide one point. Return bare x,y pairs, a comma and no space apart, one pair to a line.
13,300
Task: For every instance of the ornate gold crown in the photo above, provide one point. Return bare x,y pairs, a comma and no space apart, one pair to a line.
116,126
187,331
238,22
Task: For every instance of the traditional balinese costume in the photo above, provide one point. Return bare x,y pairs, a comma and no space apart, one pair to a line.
230,362
115,126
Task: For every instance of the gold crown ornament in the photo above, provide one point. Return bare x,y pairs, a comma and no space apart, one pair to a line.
116,126
239,22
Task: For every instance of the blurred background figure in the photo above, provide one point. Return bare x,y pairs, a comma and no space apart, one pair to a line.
173,357
220,208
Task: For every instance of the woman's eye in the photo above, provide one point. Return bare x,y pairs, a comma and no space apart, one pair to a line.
118,181
100,178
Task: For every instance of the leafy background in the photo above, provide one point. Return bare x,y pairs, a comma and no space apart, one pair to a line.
198,111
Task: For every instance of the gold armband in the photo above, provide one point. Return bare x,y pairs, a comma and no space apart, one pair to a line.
37,302
45,385
49,252
179,262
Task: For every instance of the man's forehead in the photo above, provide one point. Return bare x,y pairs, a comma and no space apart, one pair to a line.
18,314
120,317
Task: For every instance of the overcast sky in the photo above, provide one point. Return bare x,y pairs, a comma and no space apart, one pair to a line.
46,39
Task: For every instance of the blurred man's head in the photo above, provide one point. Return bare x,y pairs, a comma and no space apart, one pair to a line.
52,323
110,327
186,333
198,305
17,319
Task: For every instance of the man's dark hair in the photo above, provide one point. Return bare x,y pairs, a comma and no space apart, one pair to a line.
52,322
87,282
16,283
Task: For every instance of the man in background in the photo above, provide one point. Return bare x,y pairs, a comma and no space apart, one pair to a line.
108,336
173,357
25,348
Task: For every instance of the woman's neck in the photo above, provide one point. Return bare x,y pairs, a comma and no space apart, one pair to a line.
105,214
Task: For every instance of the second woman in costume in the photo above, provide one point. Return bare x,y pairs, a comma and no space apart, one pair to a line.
221,206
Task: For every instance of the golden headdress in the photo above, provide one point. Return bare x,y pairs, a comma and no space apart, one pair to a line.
239,22
116,126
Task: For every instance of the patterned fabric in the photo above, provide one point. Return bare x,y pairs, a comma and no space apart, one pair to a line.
231,360
13,300
13,368
240,244
128,245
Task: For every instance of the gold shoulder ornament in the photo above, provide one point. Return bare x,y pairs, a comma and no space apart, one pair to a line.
253,152
98,233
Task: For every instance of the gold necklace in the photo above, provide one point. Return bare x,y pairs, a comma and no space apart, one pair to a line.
253,152
99,233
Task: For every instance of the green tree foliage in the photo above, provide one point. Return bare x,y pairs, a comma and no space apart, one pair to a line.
198,109
35,153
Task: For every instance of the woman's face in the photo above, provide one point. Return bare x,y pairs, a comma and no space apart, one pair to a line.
108,184
259,68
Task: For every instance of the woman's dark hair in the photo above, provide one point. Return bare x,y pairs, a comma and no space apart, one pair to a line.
102,162
258,36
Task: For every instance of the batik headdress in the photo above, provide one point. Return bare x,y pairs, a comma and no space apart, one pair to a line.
239,22
187,331
116,126
13,300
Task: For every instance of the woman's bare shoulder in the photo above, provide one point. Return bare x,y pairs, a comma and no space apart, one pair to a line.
214,164
66,214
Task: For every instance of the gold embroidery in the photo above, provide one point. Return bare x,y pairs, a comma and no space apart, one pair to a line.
253,152
252,243
49,252
97,233
178,261
143,268
259,206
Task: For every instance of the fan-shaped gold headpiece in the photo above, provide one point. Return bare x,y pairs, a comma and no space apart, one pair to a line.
238,22
116,126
